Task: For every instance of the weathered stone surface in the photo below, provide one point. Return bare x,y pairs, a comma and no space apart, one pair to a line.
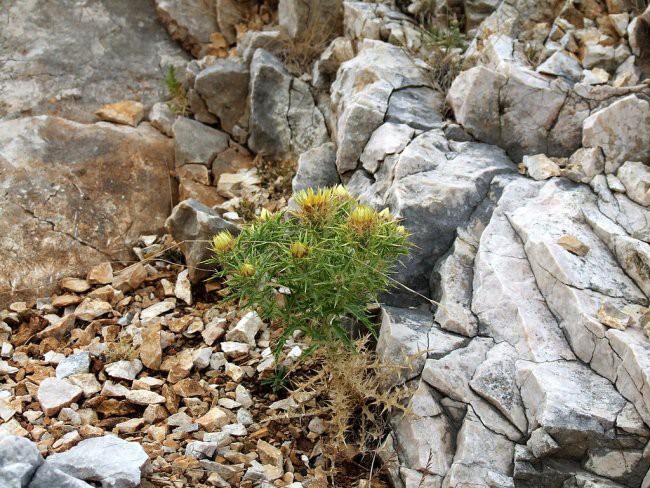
387,139
162,118
67,51
574,405
482,456
403,339
495,381
246,329
151,350
196,143
224,88
635,177
425,434
506,299
621,130
124,369
284,119
296,17
108,459
451,375
193,225
54,394
316,168
90,210
73,364
417,107
127,112
190,22
361,95
540,167
19,460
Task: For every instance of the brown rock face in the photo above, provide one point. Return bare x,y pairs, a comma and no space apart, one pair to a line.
75,195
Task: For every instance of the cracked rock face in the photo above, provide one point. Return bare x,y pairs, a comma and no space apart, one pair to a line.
73,195
56,56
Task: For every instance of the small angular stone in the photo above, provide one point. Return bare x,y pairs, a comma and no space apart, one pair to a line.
126,112
612,317
102,274
54,394
573,245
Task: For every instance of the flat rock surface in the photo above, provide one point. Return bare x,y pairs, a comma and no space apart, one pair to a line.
67,58
73,195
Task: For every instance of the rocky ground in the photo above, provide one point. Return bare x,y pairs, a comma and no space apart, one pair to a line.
514,145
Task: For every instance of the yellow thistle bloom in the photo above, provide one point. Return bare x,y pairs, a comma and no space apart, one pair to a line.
223,242
298,249
264,215
384,214
340,191
401,230
362,218
247,270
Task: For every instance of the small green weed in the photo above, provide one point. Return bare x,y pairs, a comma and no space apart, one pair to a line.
178,101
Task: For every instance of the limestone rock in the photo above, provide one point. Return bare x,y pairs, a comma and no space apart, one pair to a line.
127,112
540,167
494,380
89,210
76,71
162,118
316,168
635,176
295,17
113,461
224,88
19,460
284,119
196,143
246,329
193,225
73,364
123,369
151,350
54,394
190,22
621,130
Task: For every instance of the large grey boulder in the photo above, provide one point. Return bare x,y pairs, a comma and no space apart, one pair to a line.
65,58
224,88
316,168
284,119
19,460
74,195
196,143
621,130
193,225
108,460
318,20
190,22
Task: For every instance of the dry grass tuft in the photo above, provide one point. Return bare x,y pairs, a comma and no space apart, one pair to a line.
123,349
298,54
276,175
350,393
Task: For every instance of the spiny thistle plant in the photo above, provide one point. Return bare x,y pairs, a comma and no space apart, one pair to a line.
312,268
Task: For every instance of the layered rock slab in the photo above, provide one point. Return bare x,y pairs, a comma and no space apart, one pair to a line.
74,195
67,58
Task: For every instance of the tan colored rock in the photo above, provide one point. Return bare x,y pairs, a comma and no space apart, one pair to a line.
269,454
91,308
62,301
188,388
573,245
215,419
612,317
151,350
130,278
89,211
144,397
102,274
54,394
126,112
75,285
58,329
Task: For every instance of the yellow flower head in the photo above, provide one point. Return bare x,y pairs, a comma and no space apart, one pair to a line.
362,218
264,215
401,230
247,270
223,242
384,214
340,191
298,249
315,206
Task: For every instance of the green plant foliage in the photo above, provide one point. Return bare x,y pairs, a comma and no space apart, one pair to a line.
312,267
178,102
446,38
